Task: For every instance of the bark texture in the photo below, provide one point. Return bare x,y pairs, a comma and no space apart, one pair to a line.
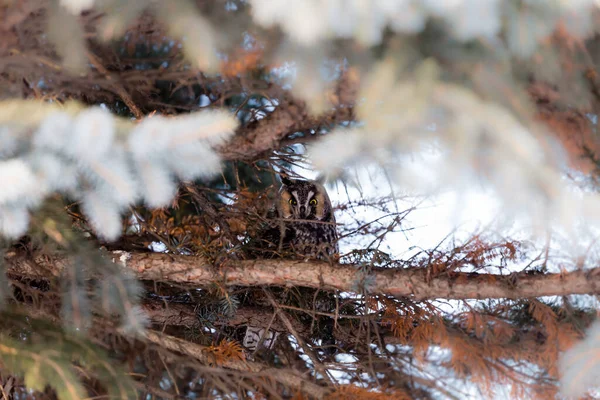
415,283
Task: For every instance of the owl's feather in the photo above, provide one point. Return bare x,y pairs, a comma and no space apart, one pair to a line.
301,225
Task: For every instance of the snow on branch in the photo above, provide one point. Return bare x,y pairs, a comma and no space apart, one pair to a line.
181,17
412,282
508,28
308,22
580,365
107,163
473,138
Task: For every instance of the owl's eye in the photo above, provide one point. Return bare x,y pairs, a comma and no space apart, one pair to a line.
293,202
313,202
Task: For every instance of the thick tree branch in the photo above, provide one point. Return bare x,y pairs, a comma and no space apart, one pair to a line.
291,116
265,135
196,271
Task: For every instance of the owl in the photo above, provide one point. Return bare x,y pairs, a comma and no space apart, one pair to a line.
302,223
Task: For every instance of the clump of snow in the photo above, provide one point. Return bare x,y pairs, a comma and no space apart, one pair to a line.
75,7
92,134
580,366
13,221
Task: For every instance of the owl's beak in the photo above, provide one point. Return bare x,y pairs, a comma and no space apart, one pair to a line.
302,211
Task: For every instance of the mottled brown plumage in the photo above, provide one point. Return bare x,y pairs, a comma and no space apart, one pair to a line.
302,223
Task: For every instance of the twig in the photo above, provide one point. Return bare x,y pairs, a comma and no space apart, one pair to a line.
199,352
118,88
307,350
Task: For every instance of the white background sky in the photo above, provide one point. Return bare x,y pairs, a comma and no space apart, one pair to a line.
435,218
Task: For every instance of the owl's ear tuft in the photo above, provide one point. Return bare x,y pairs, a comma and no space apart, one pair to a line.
286,181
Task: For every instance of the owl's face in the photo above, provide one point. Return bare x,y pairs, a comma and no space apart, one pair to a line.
304,200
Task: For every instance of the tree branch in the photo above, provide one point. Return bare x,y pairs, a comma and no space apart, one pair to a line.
199,352
197,272
290,327
183,315
266,134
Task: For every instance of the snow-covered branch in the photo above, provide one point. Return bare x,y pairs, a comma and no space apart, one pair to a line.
106,162
473,139
311,21
181,17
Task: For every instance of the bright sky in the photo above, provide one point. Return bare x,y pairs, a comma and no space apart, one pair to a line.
430,223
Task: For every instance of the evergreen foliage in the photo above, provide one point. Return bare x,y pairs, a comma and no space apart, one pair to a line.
142,145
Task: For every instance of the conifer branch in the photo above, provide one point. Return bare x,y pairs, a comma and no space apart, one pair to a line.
117,86
184,315
396,282
266,134
200,353
290,327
